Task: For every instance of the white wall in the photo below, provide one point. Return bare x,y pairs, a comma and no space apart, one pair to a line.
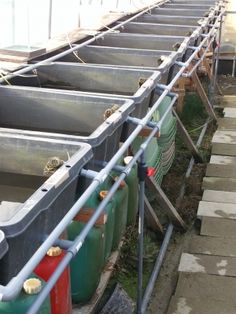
229,30
25,22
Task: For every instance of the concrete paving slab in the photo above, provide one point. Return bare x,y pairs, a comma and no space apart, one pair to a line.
219,196
213,209
224,143
181,305
222,166
218,227
228,101
222,171
229,97
229,112
208,264
223,149
224,137
226,124
212,246
219,184
199,286
223,160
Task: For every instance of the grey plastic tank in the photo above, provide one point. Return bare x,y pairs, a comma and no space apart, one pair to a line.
174,20
188,5
95,120
203,2
157,60
135,84
31,202
127,58
140,41
157,29
180,12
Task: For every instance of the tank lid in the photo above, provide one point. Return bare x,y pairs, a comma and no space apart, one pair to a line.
54,251
32,286
127,159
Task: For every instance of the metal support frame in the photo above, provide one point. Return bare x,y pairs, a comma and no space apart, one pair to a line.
12,289
171,211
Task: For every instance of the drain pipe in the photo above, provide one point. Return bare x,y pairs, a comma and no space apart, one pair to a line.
156,269
142,174
161,255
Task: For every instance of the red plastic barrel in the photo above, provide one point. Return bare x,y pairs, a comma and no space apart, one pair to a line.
60,294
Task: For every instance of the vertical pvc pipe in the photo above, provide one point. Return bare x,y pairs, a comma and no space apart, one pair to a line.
140,231
233,67
28,23
13,21
79,17
50,20
217,54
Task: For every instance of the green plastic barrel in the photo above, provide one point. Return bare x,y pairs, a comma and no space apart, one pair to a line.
151,153
153,158
121,206
26,298
169,119
86,266
109,224
93,202
132,182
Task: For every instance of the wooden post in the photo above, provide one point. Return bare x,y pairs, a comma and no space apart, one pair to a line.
187,139
151,217
165,203
206,65
203,96
179,88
